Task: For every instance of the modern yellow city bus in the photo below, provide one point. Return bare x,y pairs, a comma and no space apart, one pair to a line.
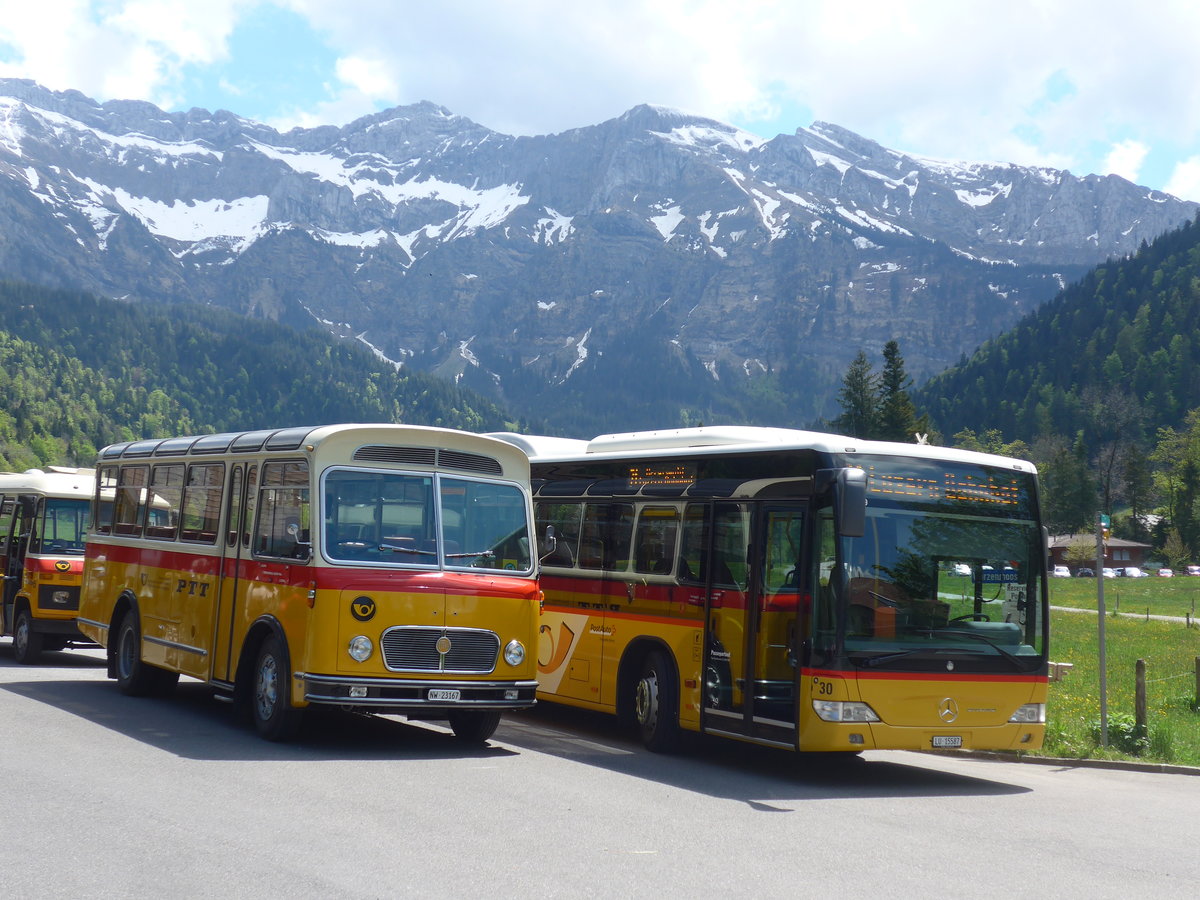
794,589
379,568
43,519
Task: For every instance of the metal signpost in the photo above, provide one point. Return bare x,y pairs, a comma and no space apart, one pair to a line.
1102,523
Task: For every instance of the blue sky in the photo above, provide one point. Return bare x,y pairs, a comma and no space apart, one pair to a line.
1087,86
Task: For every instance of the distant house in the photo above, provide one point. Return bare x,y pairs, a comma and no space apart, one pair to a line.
1118,552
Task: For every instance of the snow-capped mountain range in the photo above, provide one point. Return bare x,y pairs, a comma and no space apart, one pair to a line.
547,269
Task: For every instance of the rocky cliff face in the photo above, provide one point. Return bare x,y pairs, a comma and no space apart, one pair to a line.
649,270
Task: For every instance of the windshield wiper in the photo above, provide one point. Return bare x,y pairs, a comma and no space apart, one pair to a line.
397,549
979,637
880,660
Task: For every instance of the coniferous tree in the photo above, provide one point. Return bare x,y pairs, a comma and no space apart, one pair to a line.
1138,484
898,420
1069,490
859,399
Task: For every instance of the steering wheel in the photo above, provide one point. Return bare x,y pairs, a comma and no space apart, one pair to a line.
974,617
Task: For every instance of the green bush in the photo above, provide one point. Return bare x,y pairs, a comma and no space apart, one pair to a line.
1124,734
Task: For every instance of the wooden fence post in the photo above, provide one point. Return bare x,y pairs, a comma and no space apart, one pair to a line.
1139,700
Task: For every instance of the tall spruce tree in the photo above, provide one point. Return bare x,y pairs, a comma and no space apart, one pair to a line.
898,420
859,399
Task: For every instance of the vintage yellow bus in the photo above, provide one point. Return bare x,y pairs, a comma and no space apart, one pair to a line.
43,520
795,589
381,568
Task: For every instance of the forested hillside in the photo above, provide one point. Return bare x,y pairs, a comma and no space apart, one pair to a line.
1127,333
78,372
1101,387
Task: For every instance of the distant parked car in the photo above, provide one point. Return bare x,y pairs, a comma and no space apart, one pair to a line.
1084,572
1132,572
1193,570
1165,573
1108,573
1061,572
962,569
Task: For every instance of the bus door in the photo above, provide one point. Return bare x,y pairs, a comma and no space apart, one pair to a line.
235,542
751,621
19,519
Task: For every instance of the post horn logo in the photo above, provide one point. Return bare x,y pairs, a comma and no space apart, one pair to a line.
62,565
362,608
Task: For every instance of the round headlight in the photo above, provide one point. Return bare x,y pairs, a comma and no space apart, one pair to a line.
360,648
514,653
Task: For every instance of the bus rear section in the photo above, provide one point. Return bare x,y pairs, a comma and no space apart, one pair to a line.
43,520
374,568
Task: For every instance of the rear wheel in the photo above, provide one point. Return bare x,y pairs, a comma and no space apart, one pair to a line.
271,705
655,704
475,726
135,677
27,643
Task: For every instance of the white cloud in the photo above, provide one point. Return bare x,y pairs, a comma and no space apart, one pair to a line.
114,48
1185,179
1023,80
1125,159
369,77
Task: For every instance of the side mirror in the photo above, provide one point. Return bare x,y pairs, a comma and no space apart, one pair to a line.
851,499
294,531
550,544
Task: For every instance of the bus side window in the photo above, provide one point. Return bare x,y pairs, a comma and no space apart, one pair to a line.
283,512
564,517
605,538
657,527
102,502
202,502
162,513
131,493
691,550
6,509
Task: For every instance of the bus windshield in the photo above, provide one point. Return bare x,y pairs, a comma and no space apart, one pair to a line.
941,579
64,524
425,520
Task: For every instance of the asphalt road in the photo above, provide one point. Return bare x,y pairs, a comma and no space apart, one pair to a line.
110,796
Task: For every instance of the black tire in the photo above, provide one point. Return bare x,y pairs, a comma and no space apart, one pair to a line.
135,677
271,693
656,704
475,726
27,643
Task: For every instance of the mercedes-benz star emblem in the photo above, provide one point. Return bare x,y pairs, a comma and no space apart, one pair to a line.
948,710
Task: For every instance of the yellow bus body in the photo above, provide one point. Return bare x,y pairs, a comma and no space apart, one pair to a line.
446,639
793,589
43,519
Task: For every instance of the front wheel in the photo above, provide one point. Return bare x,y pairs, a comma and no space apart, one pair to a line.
655,704
27,643
271,706
475,726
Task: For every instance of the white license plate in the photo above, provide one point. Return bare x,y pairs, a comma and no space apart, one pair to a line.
945,740
439,694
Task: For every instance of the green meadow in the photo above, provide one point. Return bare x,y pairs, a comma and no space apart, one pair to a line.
1170,649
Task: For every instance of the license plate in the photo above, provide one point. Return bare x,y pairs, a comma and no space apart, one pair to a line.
945,740
439,694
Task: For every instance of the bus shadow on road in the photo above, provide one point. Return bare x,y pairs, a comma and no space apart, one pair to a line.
193,724
759,776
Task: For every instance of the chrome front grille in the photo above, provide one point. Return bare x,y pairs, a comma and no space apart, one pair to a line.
413,648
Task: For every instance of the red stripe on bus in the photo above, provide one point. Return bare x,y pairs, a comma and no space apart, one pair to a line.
920,676
323,577
51,565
